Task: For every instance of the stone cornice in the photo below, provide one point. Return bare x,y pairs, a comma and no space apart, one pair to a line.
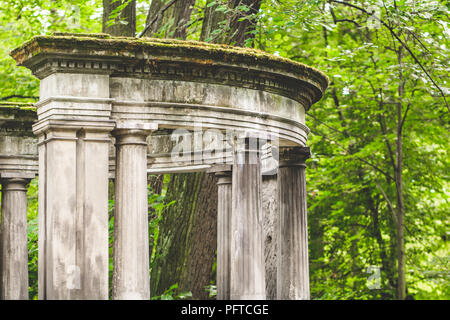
172,60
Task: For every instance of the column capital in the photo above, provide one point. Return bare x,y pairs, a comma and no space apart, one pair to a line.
293,156
220,169
14,184
15,181
223,173
136,133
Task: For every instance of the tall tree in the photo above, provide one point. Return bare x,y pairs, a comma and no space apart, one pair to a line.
188,231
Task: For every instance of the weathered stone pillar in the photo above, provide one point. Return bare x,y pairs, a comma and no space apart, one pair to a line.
73,210
131,248
13,246
224,207
293,269
247,249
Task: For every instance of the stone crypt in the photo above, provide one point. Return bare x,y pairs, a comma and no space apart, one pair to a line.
121,108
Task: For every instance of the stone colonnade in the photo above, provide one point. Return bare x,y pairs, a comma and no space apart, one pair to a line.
96,88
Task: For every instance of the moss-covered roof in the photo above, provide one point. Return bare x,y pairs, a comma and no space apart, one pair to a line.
173,60
121,45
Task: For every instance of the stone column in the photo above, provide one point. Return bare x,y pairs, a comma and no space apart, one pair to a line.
293,269
73,209
247,249
131,248
13,245
224,202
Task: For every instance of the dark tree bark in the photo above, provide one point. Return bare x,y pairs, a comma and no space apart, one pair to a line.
240,29
212,21
187,237
172,18
125,23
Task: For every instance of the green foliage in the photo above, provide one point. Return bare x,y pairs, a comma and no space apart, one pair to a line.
32,230
354,135
158,207
170,294
351,189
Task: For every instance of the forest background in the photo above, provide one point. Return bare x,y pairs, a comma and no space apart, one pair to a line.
378,188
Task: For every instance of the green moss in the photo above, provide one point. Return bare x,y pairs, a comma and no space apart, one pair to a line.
90,35
190,50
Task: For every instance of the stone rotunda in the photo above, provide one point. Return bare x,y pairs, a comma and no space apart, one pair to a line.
121,108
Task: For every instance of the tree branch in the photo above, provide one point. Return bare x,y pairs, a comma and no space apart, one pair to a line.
355,156
391,207
401,42
404,116
382,122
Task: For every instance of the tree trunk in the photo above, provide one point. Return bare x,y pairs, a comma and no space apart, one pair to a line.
170,18
240,25
125,23
187,236
401,285
211,22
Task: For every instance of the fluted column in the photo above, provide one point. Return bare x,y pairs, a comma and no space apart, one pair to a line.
14,249
131,248
293,269
224,203
247,251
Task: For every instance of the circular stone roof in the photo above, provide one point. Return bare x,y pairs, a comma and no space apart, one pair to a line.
254,68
